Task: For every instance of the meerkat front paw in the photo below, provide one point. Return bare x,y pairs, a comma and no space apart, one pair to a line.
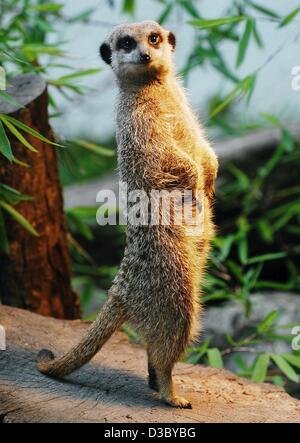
178,402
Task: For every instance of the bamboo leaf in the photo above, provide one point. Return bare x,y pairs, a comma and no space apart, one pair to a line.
286,20
5,147
165,14
31,131
212,23
272,119
261,368
17,134
19,218
11,195
285,367
97,149
294,360
189,7
243,250
264,10
129,7
49,7
78,74
215,358
244,42
267,321
287,140
266,257
243,87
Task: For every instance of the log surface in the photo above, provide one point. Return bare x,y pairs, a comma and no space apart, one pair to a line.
113,387
24,89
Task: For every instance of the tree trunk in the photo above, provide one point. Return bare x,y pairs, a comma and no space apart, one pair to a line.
37,273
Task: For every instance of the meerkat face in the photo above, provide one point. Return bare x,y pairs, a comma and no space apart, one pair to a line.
139,51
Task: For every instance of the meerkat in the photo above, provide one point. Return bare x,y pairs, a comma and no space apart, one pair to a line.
161,146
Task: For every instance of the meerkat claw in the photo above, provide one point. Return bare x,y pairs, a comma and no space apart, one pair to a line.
179,402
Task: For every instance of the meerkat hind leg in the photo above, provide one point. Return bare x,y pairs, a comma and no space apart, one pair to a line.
152,376
167,390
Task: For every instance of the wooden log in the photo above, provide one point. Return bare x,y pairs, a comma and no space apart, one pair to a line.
113,386
37,273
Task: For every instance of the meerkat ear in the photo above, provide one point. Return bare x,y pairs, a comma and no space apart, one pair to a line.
105,53
172,40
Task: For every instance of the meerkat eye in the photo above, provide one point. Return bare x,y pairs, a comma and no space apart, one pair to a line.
154,39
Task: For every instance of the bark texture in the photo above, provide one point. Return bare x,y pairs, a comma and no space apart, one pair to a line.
36,275
113,386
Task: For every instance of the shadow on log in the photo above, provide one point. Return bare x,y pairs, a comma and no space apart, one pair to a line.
36,275
113,386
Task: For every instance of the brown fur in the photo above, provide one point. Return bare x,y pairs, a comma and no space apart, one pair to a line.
161,145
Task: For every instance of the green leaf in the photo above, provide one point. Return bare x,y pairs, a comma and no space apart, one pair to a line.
215,358
5,147
243,250
267,322
293,359
196,353
30,131
243,87
244,42
285,367
261,368
189,7
264,10
266,257
17,134
97,149
265,229
19,218
203,24
286,20
129,7
11,195
4,243
77,225
271,119
242,178
226,247
33,50
287,140
278,380
165,14
49,7
257,36
82,16
78,74
8,98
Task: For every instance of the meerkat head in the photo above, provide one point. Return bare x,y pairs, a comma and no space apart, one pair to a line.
138,52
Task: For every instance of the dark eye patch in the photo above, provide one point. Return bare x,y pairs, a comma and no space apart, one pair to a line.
127,43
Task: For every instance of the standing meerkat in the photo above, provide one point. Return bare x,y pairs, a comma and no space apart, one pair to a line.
161,146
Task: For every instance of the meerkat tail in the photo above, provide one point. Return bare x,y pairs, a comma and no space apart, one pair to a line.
111,316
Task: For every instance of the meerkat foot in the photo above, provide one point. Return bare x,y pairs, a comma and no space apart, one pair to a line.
167,391
178,402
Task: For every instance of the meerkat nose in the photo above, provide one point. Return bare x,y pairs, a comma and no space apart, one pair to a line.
144,57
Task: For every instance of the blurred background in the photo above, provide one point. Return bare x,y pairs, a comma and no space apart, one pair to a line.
238,60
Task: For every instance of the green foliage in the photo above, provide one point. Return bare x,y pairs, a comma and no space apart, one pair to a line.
25,27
